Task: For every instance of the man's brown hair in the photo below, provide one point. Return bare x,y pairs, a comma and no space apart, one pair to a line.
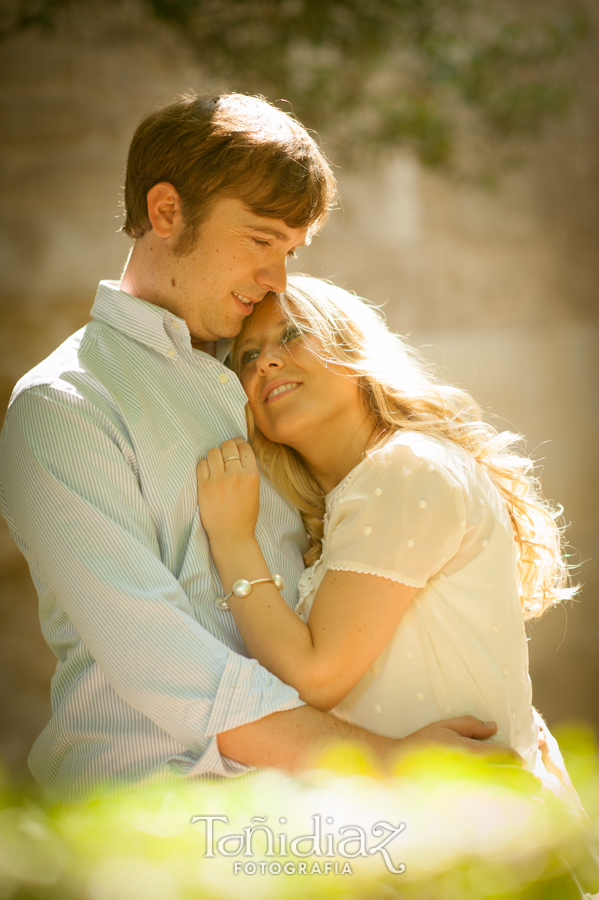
229,145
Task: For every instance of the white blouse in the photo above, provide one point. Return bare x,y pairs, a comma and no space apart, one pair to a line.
424,513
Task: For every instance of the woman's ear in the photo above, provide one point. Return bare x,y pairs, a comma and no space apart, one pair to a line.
164,209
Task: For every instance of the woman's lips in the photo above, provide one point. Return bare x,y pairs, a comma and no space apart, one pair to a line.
281,388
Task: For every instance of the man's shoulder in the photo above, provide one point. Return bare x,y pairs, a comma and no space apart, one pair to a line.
66,370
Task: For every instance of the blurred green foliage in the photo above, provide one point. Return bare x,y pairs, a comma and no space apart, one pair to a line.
474,831
369,75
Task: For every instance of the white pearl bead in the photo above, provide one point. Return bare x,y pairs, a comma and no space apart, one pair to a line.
242,588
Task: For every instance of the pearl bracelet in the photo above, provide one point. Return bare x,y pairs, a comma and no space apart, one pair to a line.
243,588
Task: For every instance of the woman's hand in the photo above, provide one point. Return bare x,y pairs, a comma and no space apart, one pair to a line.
228,492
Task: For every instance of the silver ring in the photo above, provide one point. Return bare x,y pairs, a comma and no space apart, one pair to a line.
227,458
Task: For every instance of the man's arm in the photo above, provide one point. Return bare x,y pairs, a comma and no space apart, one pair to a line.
293,740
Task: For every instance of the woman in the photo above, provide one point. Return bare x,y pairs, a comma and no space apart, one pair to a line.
429,543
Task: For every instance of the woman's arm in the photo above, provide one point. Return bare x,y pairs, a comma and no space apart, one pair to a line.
353,615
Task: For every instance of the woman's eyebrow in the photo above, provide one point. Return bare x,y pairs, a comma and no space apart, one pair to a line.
249,340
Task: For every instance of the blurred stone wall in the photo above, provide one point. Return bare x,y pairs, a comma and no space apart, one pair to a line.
499,287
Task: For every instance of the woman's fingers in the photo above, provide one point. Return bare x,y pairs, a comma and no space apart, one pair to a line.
214,458
248,458
232,454
237,447
203,472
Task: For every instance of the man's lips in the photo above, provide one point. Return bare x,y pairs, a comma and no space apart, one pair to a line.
283,386
246,303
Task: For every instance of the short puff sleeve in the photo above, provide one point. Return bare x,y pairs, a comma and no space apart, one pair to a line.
402,515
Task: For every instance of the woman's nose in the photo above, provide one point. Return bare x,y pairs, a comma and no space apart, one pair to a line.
270,358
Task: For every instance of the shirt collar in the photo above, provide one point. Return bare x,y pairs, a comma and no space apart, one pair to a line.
146,323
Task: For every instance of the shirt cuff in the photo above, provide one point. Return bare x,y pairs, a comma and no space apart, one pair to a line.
246,692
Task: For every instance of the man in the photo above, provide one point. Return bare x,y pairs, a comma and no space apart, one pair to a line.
98,461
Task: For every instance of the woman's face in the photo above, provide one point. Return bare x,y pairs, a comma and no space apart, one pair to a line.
291,392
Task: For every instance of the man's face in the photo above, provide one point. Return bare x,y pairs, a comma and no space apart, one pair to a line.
236,260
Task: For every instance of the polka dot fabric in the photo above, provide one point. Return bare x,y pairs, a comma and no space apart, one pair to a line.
411,511
424,513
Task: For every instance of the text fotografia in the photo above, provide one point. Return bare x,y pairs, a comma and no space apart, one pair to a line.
349,842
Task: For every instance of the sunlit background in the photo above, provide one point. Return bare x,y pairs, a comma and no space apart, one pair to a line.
465,142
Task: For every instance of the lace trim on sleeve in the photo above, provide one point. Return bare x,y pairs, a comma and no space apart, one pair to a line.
390,576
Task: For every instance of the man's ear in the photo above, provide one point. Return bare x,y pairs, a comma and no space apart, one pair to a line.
164,209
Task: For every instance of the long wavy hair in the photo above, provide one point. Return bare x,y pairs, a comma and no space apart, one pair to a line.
403,392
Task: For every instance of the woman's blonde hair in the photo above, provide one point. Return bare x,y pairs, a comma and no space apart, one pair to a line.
402,392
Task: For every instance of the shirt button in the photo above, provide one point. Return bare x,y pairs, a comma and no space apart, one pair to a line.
481,502
223,378
374,670
175,325
420,696
463,523
496,627
431,468
377,492
422,504
485,543
367,530
489,584
411,542
377,708
505,670
172,353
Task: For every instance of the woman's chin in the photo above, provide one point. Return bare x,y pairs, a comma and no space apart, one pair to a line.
287,436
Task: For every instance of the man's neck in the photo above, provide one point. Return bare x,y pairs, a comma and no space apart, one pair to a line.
140,279
208,347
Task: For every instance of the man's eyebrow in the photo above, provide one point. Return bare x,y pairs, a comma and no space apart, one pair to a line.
266,229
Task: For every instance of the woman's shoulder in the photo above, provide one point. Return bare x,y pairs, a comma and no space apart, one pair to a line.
409,463
412,452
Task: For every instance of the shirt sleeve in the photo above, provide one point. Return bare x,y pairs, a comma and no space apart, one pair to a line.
401,516
74,505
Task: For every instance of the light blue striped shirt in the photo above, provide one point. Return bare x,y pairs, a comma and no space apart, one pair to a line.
98,485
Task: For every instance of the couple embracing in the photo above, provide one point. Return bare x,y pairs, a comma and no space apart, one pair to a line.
358,569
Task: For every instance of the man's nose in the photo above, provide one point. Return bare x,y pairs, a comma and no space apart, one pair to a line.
274,276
